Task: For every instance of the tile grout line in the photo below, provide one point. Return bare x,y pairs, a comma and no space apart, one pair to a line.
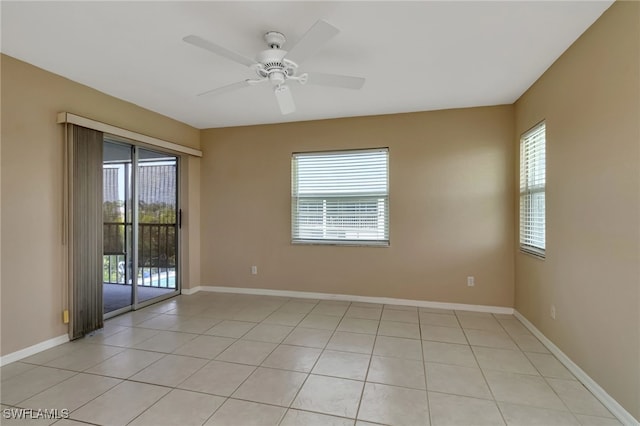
486,382
573,415
424,368
155,384
265,358
316,362
195,372
254,370
76,373
504,419
93,399
366,376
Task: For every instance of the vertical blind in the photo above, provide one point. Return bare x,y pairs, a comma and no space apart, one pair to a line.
532,190
86,239
340,197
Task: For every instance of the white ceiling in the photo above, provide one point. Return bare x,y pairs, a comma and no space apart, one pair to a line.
416,56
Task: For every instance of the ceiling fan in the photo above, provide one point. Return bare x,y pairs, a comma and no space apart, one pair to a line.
279,66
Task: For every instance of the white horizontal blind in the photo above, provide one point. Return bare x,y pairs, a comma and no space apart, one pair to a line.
340,197
532,190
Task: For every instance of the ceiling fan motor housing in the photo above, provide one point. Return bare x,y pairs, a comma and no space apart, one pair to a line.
272,65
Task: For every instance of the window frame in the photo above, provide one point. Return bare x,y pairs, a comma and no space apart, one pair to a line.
366,198
527,189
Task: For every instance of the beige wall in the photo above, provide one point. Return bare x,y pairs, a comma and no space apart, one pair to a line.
590,99
451,204
32,250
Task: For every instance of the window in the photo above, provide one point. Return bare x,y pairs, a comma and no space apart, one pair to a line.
532,190
340,197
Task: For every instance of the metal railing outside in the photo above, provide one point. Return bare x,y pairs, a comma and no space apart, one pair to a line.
156,254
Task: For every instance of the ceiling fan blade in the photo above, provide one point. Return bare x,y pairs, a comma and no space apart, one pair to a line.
319,34
225,89
218,50
335,80
285,99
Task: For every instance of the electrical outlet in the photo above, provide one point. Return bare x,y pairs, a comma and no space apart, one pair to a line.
254,270
471,281
553,311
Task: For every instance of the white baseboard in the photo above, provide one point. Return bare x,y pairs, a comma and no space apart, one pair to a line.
612,405
190,291
353,298
32,350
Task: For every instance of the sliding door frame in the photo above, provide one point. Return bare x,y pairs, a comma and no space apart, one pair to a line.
134,255
178,246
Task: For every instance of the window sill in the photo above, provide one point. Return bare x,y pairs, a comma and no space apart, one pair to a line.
340,243
536,253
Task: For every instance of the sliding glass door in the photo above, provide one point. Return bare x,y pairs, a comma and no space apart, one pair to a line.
157,224
141,220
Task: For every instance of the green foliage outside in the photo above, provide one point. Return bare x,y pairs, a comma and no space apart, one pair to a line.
156,238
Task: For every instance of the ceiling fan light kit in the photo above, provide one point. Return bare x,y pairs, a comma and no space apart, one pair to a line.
279,66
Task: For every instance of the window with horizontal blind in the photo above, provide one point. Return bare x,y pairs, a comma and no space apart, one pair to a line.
532,190
340,197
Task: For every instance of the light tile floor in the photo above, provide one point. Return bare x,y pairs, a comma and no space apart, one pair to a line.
223,359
